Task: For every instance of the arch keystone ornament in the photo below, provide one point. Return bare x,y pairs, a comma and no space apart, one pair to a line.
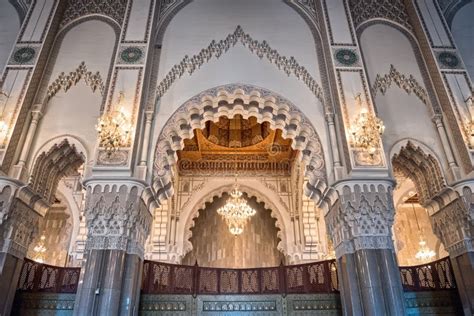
246,100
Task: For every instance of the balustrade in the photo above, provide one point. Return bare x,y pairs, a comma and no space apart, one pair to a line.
165,278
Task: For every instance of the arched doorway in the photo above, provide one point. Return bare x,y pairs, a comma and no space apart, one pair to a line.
213,245
246,130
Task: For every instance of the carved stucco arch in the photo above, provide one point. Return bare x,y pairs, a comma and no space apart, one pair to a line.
277,212
73,140
61,159
246,100
419,163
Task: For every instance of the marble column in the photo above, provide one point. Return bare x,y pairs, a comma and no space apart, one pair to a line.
118,223
359,217
453,223
20,211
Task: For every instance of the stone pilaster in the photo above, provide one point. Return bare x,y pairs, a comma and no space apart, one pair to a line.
359,219
453,223
118,223
20,211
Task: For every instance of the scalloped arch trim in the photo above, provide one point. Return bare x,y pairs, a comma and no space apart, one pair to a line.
261,198
230,100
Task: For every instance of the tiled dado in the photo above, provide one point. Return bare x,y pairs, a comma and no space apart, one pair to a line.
255,305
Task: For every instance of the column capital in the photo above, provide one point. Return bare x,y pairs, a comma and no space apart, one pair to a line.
117,216
362,216
20,211
453,223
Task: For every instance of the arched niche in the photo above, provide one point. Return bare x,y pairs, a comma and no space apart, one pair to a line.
391,55
417,161
273,231
218,187
462,29
81,56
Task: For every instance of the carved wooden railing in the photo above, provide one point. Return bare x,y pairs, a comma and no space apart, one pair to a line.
436,275
163,278
38,277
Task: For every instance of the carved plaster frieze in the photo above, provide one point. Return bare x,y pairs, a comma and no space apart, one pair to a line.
392,10
409,84
288,65
117,218
75,9
361,218
66,81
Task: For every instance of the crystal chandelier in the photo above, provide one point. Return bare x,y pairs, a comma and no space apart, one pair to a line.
3,122
39,250
424,253
366,129
114,128
236,212
469,123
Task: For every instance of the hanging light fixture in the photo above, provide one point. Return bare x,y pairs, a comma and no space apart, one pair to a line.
39,250
3,120
114,128
469,123
236,212
424,254
366,129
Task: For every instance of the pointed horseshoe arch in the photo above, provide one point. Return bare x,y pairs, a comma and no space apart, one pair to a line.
260,198
247,101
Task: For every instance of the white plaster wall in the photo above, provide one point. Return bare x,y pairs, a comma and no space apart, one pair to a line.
76,111
404,115
202,21
9,28
462,29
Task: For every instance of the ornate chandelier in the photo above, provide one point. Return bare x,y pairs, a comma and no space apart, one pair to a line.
469,123
3,121
236,212
366,129
39,250
114,128
424,253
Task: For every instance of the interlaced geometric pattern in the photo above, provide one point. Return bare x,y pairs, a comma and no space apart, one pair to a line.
394,10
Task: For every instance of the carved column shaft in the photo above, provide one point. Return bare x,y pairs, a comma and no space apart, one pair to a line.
359,223
334,145
19,169
146,138
438,120
118,224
